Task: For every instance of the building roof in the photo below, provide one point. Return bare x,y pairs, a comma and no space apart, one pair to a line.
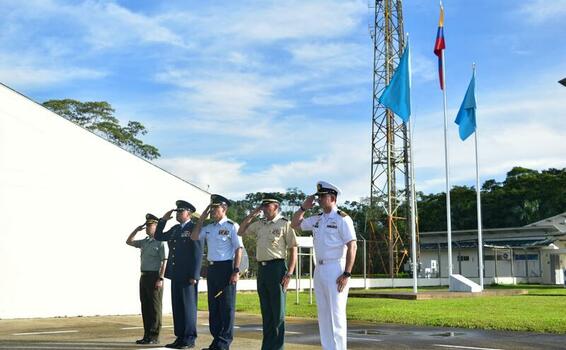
514,237
558,221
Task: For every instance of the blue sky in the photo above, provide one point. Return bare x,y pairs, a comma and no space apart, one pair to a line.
245,96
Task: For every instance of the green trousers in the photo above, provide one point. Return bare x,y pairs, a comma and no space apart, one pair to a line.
272,302
150,299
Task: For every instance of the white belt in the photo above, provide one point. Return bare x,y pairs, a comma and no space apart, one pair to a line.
327,261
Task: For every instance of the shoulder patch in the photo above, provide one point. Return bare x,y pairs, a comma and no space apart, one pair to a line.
342,213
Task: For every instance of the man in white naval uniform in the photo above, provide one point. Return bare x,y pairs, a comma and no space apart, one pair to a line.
335,249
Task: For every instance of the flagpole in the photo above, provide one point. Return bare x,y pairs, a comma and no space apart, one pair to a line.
478,198
447,171
411,184
413,211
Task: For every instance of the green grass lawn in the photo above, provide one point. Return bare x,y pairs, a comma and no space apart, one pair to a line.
542,310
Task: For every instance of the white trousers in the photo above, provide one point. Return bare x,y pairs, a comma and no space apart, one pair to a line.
331,306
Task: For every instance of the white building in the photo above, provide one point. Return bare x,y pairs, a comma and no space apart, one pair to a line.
68,200
535,253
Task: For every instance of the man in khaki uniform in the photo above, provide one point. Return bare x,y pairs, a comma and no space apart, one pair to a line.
274,238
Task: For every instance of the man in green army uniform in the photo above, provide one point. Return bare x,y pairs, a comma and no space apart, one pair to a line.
275,238
153,262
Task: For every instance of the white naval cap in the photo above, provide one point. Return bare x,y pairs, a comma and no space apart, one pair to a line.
323,187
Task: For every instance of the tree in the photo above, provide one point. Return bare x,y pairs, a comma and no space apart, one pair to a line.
99,118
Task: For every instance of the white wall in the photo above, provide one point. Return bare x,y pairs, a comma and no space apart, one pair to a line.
68,200
470,267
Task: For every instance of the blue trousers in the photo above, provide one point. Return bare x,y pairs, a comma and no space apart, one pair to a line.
221,309
184,297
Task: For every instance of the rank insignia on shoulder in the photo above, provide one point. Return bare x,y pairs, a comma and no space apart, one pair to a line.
320,214
284,219
342,213
230,222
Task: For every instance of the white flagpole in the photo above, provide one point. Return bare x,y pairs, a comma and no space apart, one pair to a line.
413,211
447,171
412,187
478,197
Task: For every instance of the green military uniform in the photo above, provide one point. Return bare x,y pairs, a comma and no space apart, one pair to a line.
274,238
152,254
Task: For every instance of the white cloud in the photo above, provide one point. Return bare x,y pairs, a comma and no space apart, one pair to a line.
333,55
111,25
29,71
423,67
295,20
538,11
516,128
340,154
338,99
220,97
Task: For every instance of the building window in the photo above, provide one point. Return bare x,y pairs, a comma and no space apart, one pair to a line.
528,256
500,257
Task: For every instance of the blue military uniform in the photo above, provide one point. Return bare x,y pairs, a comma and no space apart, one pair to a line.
223,241
183,265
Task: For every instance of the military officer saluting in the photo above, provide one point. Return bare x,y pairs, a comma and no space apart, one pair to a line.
335,249
224,256
183,269
274,238
153,260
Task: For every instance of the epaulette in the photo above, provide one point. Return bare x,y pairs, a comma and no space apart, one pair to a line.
230,222
284,219
342,213
320,214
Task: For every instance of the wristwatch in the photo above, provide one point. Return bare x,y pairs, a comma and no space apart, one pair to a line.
237,269
289,275
302,208
347,274
161,278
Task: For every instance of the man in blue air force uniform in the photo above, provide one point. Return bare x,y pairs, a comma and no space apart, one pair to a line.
183,269
224,256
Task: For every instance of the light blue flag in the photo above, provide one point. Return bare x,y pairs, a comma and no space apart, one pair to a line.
466,118
397,95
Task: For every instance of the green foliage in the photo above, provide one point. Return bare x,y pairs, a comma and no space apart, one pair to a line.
99,118
524,197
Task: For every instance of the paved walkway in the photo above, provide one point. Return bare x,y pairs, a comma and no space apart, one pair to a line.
120,332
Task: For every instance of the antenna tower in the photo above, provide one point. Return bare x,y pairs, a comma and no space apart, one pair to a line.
389,143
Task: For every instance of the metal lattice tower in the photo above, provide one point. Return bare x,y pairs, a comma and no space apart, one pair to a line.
389,141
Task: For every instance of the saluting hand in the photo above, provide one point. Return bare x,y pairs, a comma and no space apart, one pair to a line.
342,281
140,227
206,212
168,215
309,202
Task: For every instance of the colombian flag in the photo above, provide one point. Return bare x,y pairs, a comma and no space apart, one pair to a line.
440,45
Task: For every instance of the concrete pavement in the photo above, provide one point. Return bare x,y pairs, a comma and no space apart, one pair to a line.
120,332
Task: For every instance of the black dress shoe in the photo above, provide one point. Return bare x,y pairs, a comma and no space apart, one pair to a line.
141,341
185,346
173,345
